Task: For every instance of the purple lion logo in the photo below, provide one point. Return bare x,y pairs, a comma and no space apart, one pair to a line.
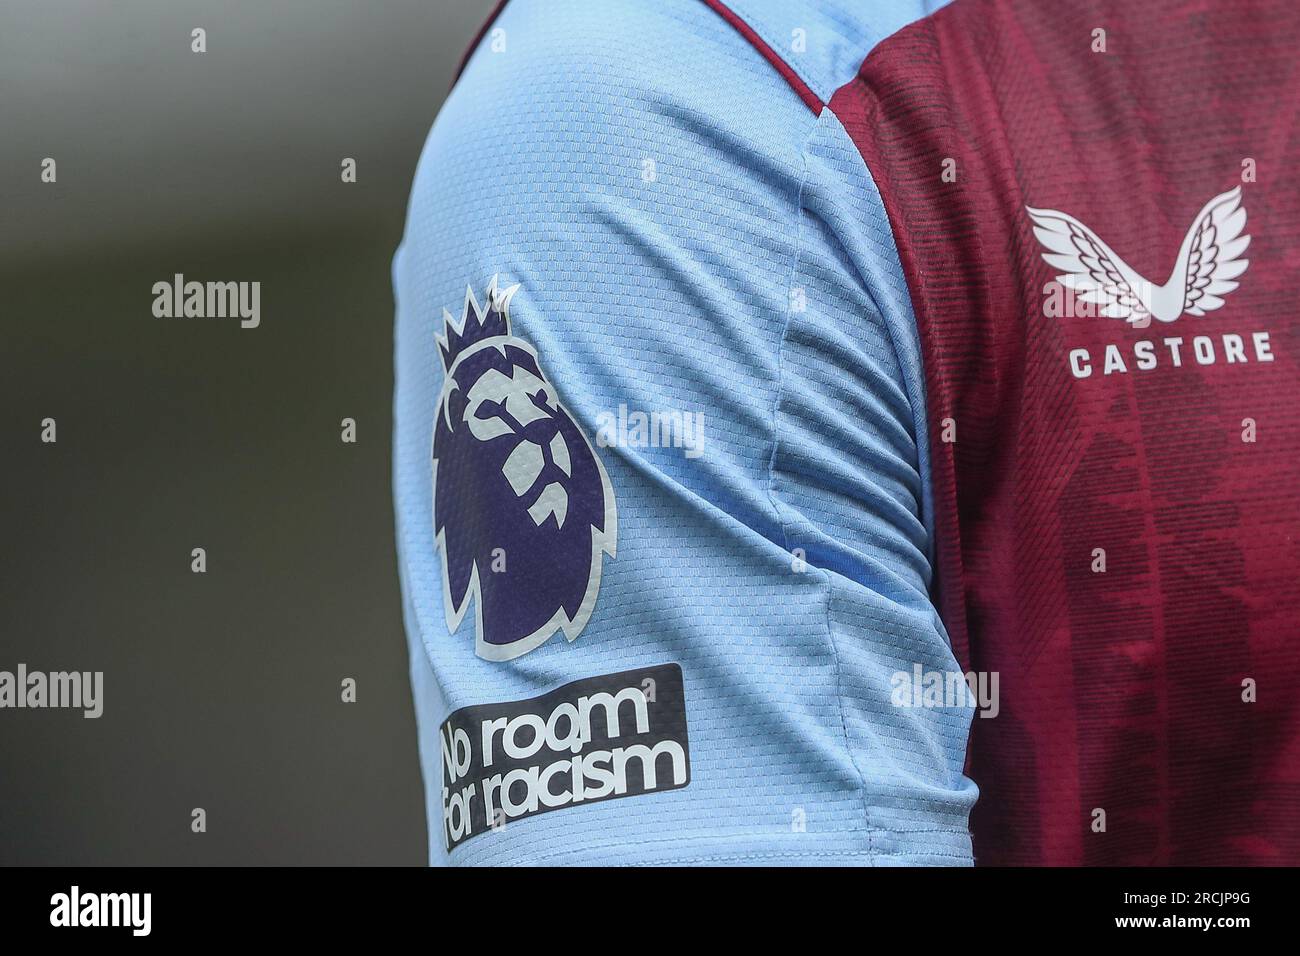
522,507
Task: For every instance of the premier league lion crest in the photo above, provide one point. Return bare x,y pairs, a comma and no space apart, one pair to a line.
522,507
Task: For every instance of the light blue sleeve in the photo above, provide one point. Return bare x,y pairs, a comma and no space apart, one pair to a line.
658,466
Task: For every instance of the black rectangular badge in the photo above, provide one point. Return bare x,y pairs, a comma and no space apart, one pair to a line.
601,738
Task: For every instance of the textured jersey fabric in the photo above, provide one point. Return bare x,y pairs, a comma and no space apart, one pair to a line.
1118,515
666,227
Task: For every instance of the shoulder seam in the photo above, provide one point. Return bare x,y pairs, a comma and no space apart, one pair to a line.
801,89
478,38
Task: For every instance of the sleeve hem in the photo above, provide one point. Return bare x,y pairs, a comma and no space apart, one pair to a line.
940,846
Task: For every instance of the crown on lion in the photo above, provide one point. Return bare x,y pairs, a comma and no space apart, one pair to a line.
477,323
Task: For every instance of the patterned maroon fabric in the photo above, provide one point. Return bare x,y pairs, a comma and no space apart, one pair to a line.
1121,690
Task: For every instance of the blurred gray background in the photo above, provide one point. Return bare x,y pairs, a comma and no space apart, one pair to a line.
222,690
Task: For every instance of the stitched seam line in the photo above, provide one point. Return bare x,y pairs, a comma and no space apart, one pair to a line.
796,855
559,855
774,498
801,89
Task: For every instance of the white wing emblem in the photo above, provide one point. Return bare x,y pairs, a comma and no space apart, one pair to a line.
1208,262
